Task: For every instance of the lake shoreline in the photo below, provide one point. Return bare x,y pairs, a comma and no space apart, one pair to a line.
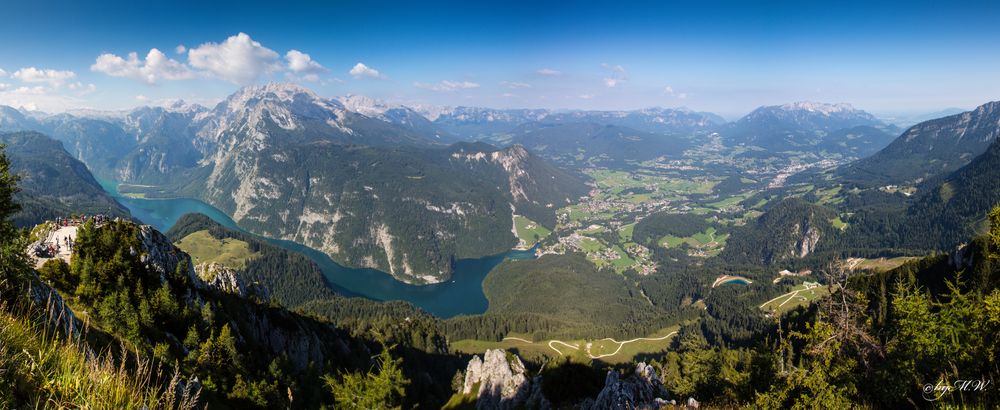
462,294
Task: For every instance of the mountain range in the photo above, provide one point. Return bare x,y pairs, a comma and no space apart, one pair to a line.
807,126
934,147
377,185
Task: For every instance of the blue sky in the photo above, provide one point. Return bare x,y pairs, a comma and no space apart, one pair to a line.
725,57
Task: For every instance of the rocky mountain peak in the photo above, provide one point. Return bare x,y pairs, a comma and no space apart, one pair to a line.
365,105
502,382
228,280
823,108
643,389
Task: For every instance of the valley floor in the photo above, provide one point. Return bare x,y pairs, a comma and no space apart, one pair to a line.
607,350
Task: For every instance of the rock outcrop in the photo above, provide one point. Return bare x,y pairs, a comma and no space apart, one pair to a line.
808,238
225,279
643,390
499,382
162,257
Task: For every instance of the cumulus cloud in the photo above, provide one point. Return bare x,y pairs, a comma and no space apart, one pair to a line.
154,68
549,72
239,59
51,77
2,73
302,64
617,75
360,70
447,86
514,84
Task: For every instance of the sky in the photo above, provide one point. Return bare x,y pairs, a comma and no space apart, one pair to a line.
723,57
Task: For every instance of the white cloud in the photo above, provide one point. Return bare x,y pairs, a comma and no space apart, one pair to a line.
617,76
360,70
514,85
447,86
2,73
302,64
586,96
549,72
82,89
37,97
668,90
141,98
239,59
54,78
154,68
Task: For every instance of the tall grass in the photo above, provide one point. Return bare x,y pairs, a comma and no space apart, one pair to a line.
41,369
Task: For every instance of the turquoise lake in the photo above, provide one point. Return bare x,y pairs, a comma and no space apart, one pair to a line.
462,294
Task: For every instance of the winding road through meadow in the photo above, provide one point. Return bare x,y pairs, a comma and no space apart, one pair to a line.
621,344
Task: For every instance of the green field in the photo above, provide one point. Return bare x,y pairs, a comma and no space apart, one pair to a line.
800,295
203,247
607,350
592,230
623,262
730,202
702,241
838,223
829,196
529,231
880,264
625,232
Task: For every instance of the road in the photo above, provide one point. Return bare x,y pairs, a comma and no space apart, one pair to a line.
621,344
791,295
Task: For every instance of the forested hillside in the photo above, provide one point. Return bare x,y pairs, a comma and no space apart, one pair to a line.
879,341
935,147
52,182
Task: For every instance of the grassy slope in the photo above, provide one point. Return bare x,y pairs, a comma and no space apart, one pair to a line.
529,231
203,247
42,369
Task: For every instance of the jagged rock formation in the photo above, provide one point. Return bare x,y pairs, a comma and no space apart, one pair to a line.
808,238
228,280
643,390
162,257
500,382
